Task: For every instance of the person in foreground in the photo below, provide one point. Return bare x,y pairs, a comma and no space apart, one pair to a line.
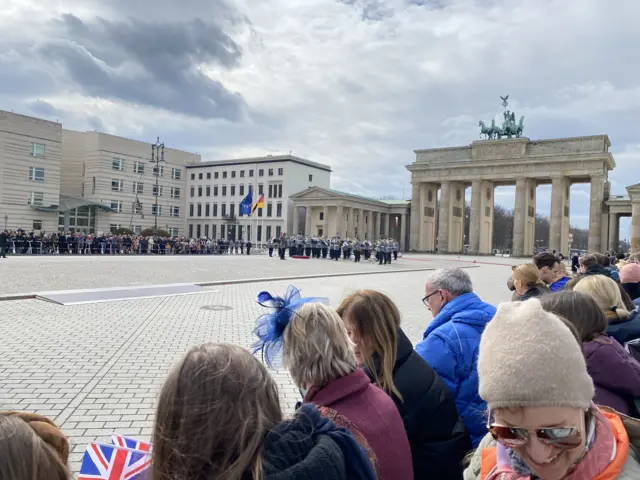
451,341
219,417
541,418
438,438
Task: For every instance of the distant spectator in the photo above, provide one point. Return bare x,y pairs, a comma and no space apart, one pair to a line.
527,282
547,264
451,341
592,264
561,278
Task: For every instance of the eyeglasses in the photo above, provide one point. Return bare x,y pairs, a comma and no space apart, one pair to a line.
425,300
565,438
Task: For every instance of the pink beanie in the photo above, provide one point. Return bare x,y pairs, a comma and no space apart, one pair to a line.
630,273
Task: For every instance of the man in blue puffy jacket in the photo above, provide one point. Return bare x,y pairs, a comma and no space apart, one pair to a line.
452,340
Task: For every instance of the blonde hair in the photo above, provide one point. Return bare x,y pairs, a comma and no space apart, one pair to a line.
527,274
375,317
316,347
562,268
605,292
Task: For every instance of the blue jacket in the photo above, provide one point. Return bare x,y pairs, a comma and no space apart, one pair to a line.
450,345
558,285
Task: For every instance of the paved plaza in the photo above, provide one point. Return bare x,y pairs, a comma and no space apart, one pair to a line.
96,368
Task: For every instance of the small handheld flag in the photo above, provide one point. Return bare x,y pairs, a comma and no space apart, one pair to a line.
110,462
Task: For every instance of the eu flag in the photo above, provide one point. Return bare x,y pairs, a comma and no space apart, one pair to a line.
245,205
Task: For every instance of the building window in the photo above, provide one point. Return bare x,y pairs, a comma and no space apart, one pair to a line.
138,167
321,215
190,231
224,174
174,232
310,178
36,174
199,176
215,191
223,209
192,191
117,163
280,191
174,211
279,210
137,229
215,210
175,192
241,173
241,190
250,173
207,209
233,174
156,191
36,225
233,190
206,230
260,211
199,190
116,185
193,176
114,227
215,175
36,199
232,209
269,209
93,185
278,231
260,189
158,171
224,190
208,175
116,205
261,173
191,207
199,209
156,210
271,172
214,231
208,191
37,149
175,174
138,187
268,236
280,172
270,191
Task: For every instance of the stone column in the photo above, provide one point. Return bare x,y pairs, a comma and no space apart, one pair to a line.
613,231
361,225
376,224
351,223
416,217
325,221
403,232
340,221
559,222
595,213
307,223
296,220
367,228
634,194
444,217
387,225
524,218
476,217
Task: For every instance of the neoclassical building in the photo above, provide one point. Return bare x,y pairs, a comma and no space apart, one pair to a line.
326,212
525,163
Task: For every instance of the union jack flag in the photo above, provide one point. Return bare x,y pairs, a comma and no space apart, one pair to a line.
111,462
128,442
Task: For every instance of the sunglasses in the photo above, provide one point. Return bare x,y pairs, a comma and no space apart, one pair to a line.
560,437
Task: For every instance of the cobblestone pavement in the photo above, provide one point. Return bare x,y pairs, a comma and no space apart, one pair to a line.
97,368
33,274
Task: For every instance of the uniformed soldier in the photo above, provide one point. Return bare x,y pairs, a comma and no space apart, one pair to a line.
291,243
396,248
346,249
270,245
366,248
335,248
388,251
300,245
380,251
315,248
241,247
282,246
324,246
307,246
357,248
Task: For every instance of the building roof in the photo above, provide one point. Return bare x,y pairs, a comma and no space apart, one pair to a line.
265,159
329,192
396,202
69,203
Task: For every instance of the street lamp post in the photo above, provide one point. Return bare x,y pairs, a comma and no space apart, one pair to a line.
157,157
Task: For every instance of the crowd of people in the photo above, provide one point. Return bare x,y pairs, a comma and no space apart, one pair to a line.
544,387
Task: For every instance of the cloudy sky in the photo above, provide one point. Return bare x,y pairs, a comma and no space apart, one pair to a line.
357,84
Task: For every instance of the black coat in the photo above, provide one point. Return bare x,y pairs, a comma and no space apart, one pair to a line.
437,436
4,240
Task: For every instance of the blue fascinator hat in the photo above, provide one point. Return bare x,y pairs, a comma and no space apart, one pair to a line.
270,326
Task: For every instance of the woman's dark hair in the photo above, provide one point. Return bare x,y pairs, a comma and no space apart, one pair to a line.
214,411
579,309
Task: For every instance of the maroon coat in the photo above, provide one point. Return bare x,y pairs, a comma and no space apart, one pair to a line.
375,416
615,373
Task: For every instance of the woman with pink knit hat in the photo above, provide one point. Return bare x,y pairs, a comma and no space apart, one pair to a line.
630,279
543,424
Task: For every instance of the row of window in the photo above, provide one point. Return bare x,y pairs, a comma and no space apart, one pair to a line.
117,163
37,149
230,231
138,208
117,185
275,190
211,210
233,174
137,229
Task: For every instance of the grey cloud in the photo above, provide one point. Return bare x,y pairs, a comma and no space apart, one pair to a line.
45,109
148,63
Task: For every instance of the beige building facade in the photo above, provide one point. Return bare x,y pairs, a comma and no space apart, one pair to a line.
483,165
325,212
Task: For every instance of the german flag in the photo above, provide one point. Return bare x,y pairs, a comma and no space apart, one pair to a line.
258,204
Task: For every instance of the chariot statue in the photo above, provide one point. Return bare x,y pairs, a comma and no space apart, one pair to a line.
509,126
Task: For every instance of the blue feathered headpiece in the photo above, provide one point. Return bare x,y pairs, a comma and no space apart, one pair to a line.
271,326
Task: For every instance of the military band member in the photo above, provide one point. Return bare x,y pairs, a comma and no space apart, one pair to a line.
396,248
366,248
241,247
307,246
282,246
380,253
270,245
335,248
300,244
357,248
388,251
324,246
315,248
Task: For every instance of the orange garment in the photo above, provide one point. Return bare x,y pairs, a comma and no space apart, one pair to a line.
489,455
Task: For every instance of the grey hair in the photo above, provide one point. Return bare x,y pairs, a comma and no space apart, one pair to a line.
316,346
454,280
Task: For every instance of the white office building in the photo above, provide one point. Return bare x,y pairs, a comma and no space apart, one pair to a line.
216,189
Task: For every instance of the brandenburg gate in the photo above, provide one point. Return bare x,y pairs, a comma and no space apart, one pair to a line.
514,160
